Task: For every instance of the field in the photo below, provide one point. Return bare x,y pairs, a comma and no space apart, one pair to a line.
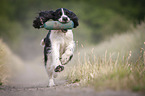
117,63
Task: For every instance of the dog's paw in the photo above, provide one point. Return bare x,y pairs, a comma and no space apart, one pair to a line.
59,68
65,59
51,84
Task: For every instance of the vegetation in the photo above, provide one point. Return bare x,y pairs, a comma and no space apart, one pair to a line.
115,64
9,63
3,61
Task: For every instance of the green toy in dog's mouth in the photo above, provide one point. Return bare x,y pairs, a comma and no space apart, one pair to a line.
56,25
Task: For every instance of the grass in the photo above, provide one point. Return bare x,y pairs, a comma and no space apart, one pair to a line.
121,75
3,61
118,63
9,63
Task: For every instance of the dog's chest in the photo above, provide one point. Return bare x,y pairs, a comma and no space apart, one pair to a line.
61,38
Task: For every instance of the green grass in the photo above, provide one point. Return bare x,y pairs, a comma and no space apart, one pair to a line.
118,63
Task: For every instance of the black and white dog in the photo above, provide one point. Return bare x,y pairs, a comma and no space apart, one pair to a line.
58,44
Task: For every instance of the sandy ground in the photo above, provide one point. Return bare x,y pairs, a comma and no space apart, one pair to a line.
32,80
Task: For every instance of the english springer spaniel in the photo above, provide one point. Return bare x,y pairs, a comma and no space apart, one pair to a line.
58,44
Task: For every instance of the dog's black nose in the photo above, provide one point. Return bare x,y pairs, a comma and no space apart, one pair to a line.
64,18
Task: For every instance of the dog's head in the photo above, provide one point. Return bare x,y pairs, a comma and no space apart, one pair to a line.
64,15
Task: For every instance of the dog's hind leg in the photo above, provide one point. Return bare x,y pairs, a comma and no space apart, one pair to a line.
51,75
51,78
48,65
50,70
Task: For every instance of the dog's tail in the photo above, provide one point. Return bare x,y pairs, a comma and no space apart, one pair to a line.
42,43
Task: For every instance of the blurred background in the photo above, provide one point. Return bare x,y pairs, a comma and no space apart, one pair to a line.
99,20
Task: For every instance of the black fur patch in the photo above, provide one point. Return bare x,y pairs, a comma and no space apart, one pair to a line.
47,48
70,57
42,18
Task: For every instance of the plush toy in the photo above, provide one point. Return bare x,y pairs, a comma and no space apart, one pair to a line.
56,25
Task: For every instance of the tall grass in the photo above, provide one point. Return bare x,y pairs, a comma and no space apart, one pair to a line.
3,61
9,63
118,63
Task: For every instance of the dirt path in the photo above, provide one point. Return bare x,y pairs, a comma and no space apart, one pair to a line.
60,91
32,80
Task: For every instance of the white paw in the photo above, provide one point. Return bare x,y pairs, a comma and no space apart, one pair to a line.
51,83
64,59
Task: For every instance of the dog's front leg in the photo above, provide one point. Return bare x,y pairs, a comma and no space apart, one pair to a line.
56,64
68,54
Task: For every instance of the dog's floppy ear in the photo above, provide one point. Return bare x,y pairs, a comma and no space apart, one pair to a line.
55,15
42,18
46,15
37,22
74,18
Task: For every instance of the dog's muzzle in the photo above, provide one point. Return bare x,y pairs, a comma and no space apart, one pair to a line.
64,19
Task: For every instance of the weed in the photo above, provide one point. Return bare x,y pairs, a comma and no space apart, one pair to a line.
121,67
